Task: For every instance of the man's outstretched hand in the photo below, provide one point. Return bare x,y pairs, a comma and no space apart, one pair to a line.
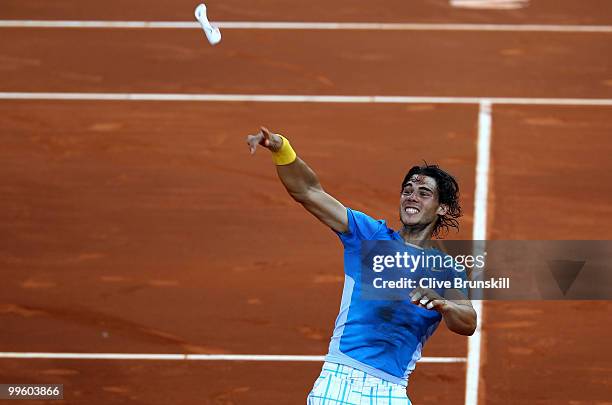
266,139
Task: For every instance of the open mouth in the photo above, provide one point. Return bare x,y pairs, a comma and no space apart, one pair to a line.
411,210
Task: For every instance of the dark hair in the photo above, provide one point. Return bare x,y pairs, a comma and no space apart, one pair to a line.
448,194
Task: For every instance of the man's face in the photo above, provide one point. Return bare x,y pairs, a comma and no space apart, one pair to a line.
419,201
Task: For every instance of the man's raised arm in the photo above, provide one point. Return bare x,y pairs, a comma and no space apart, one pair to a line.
300,181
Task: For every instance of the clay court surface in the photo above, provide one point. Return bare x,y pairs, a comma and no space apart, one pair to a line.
146,227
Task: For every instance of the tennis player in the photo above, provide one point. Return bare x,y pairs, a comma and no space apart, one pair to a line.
376,344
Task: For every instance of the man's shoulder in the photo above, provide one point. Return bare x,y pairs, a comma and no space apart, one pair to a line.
367,226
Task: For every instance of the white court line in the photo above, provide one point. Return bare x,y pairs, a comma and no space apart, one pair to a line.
490,4
482,171
280,25
302,98
479,233
194,357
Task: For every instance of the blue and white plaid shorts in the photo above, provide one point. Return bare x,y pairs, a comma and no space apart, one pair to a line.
339,385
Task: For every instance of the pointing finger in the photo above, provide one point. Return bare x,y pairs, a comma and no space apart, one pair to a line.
266,136
265,131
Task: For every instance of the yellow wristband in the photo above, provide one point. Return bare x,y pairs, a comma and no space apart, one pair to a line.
285,155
